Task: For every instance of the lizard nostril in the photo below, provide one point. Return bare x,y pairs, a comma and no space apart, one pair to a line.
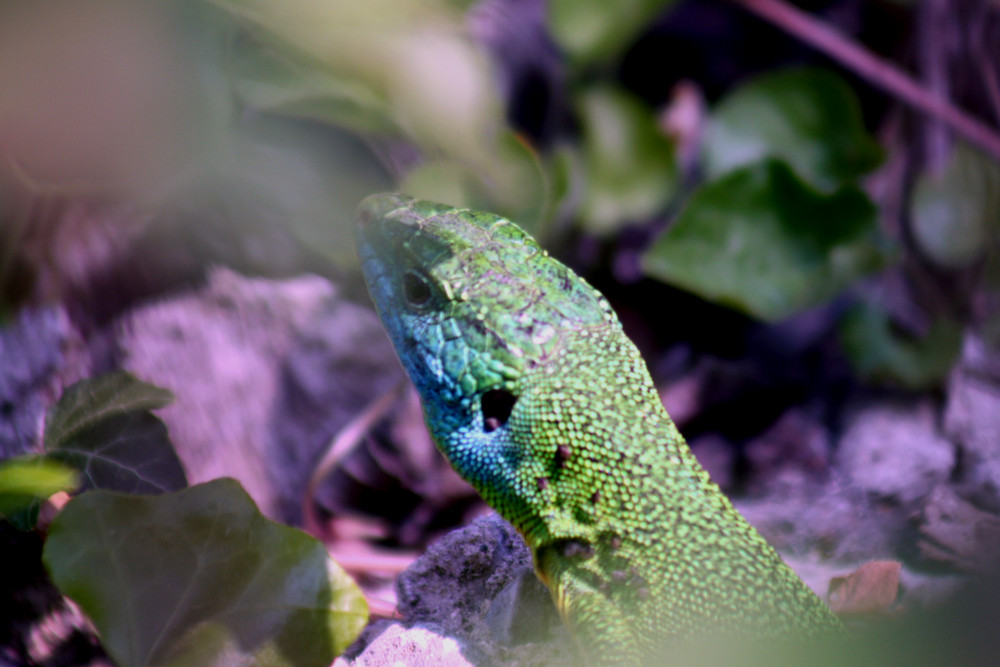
497,404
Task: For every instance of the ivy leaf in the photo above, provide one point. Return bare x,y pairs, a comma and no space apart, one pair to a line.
91,401
762,241
102,427
629,165
130,452
25,482
881,355
201,577
809,118
595,30
954,215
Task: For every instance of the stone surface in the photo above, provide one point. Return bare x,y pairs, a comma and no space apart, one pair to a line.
972,420
412,647
40,353
893,451
476,585
264,372
834,521
955,533
790,457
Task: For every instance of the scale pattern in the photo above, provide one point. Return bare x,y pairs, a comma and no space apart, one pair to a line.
535,395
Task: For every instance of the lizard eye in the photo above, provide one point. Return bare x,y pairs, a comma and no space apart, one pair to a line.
416,289
497,405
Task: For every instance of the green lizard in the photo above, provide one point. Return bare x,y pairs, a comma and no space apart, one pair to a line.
535,395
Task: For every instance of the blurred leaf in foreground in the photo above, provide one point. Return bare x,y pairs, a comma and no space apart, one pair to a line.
401,67
307,177
25,482
956,215
762,241
102,426
629,165
880,354
201,577
808,117
595,30
451,182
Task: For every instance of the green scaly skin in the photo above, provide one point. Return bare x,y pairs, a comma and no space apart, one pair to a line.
536,397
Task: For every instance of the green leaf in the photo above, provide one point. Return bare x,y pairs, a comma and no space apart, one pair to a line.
594,30
762,241
102,427
955,215
130,452
629,165
91,401
25,482
808,117
879,354
201,577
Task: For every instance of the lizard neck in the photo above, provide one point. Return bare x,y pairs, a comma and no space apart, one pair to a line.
592,441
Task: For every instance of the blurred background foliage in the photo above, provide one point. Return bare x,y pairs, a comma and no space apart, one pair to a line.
766,209
685,144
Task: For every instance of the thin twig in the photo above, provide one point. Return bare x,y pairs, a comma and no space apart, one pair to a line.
373,560
877,71
379,608
984,59
340,446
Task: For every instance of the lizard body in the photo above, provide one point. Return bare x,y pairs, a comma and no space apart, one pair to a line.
535,395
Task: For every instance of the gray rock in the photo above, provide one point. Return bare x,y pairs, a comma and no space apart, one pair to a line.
791,457
972,420
412,647
893,452
477,585
40,353
834,521
955,533
264,372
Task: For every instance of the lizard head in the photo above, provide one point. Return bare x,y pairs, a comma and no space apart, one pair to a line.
471,303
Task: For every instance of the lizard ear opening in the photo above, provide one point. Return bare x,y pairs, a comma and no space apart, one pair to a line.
497,405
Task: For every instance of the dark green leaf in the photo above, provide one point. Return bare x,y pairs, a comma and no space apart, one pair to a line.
102,427
881,355
629,165
808,117
25,482
91,401
201,577
762,241
593,30
956,214
129,452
